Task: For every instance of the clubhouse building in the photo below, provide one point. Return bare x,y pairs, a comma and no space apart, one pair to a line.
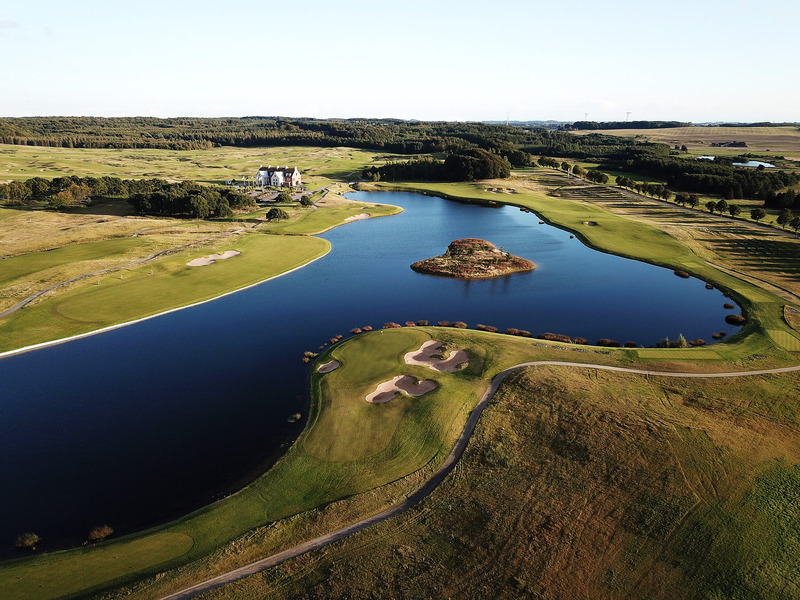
278,176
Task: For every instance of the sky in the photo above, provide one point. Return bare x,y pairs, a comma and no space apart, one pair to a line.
698,60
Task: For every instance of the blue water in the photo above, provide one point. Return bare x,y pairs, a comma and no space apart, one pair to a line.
144,423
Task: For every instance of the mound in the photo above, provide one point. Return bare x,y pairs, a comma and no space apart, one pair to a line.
473,258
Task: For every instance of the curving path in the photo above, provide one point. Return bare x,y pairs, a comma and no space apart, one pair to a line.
428,487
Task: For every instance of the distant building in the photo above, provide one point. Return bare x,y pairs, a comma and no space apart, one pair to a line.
278,176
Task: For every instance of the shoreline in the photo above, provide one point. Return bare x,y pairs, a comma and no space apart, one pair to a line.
40,345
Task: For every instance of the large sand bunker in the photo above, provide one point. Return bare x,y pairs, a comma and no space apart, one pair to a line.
425,356
357,217
328,366
212,258
402,383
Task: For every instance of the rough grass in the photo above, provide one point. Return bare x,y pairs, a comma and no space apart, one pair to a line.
581,484
760,139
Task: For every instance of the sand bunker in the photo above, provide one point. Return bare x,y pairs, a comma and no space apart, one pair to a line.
329,366
212,258
402,383
357,217
425,357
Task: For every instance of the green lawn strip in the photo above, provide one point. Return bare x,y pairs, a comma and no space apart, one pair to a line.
35,262
156,287
310,221
678,354
47,577
785,339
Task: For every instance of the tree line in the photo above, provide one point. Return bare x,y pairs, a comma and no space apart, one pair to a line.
147,196
465,165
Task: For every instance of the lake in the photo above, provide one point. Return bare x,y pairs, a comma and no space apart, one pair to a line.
749,163
144,423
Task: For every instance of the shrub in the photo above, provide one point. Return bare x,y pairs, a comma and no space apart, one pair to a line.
555,337
735,319
728,305
630,344
580,340
709,286
100,533
697,342
391,325
443,323
355,330
26,541
607,343
683,274
460,325
367,328
422,323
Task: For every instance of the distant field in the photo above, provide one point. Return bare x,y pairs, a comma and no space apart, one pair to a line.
759,139
211,166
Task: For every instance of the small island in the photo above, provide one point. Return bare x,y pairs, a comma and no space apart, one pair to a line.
473,258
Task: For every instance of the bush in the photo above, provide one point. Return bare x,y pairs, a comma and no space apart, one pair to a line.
630,344
697,342
607,343
100,533
460,325
443,324
580,340
555,337
683,274
735,319
422,323
728,305
391,325
410,324
26,541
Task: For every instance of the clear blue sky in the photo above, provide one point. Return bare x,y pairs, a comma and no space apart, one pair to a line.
698,60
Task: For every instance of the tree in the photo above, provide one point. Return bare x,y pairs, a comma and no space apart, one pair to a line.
26,541
681,199
277,214
100,533
284,197
306,200
757,214
722,206
693,200
711,205
565,166
795,224
784,218
734,210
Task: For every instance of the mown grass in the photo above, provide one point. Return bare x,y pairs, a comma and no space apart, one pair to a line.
156,287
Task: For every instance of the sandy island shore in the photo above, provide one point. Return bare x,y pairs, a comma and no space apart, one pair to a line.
402,383
425,357
212,258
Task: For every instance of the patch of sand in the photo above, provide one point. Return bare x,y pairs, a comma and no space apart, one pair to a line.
357,217
425,357
402,383
329,366
212,258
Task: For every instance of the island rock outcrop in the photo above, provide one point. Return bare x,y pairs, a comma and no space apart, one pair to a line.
473,258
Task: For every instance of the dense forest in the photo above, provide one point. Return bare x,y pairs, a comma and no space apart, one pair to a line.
463,165
590,125
147,196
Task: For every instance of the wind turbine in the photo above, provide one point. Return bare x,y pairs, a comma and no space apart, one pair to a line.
585,116
627,116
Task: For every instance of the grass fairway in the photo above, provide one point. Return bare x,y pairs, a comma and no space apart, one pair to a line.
154,288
